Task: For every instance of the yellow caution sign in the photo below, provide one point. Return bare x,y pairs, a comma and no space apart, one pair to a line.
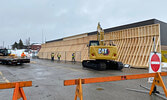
164,56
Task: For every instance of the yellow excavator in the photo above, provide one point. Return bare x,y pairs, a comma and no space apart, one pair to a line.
102,57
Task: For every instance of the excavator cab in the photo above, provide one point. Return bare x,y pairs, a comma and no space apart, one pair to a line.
93,43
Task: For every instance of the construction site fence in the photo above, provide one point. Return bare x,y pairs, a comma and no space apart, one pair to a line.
65,55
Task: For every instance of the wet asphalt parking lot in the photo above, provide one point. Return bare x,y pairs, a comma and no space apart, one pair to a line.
47,78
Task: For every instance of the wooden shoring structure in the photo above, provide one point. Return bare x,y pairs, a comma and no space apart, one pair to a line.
134,45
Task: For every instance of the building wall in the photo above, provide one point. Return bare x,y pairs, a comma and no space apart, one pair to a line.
134,45
66,47
35,47
163,31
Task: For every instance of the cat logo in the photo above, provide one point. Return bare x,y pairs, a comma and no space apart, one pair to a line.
103,51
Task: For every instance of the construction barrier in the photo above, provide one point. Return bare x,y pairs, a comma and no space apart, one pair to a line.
18,91
78,93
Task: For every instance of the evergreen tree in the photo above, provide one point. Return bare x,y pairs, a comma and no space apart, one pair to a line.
15,45
20,45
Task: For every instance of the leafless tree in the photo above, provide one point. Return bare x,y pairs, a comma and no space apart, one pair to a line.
27,42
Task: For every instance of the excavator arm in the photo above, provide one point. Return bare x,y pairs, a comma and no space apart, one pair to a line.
100,35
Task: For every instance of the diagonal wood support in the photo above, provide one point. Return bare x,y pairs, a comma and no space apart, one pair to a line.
159,82
78,92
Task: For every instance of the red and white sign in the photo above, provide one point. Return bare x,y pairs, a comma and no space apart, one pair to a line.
154,63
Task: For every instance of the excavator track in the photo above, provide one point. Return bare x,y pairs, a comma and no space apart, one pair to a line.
102,64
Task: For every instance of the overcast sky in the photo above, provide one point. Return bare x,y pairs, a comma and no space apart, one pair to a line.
61,18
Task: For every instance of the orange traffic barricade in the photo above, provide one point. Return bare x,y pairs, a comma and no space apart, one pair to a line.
18,91
156,82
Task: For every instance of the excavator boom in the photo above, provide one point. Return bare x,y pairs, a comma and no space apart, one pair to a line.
100,35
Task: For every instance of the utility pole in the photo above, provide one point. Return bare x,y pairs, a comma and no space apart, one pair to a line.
29,42
3,44
42,36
